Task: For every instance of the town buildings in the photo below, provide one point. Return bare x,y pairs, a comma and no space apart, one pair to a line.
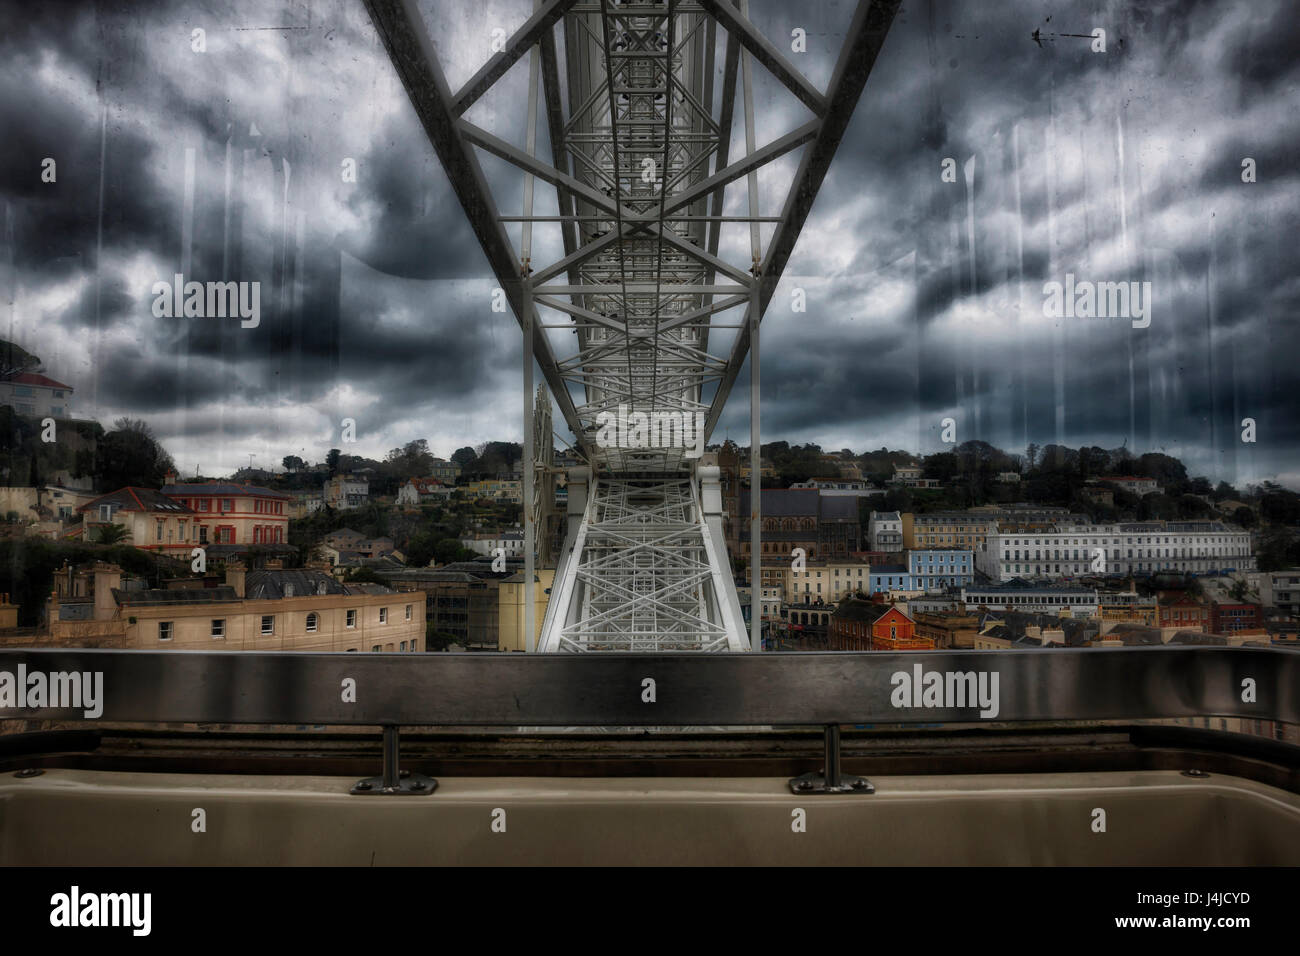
152,521
828,580
1134,484
444,471
946,529
503,489
945,631
423,491
822,526
1023,596
935,569
841,487
344,492
860,625
268,610
1146,547
926,570
1281,590
885,531
1128,607
1236,617
1184,612
770,601
36,395
512,595
492,543
348,548
228,513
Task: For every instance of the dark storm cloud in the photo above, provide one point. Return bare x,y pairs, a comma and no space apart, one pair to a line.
374,293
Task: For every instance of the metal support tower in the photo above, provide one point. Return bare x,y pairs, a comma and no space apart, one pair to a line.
640,161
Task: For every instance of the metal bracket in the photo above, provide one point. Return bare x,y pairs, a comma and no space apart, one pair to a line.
831,779
394,782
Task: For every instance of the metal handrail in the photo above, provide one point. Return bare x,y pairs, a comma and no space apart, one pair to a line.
625,689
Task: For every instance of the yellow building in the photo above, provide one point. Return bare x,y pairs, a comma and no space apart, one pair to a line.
830,580
271,610
507,490
511,595
947,631
151,521
1127,607
946,529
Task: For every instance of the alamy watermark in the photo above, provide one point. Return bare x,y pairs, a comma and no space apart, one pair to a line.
75,908
1085,299
208,300
672,429
59,690
946,689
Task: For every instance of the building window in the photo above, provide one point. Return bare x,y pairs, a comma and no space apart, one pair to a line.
268,624
376,648
414,646
203,504
408,612
218,628
312,620
352,618
383,615
203,534
403,647
227,505
164,630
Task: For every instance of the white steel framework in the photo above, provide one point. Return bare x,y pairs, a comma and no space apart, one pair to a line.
639,158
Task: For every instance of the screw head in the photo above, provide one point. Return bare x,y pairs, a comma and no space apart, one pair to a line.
403,774
364,785
29,772
1195,773
417,785
804,785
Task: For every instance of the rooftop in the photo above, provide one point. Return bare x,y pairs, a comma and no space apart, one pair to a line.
136,499
35,378
222,488
157,597
278,584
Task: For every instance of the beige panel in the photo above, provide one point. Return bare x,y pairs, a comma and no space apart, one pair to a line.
67,817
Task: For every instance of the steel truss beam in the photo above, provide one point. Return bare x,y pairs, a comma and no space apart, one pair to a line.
640,162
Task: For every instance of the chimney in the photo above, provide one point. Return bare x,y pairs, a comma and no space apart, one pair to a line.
236,572
107,577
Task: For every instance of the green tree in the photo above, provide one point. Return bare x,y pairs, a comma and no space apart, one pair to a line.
1245,518
131,455
332,461
435,640
110,534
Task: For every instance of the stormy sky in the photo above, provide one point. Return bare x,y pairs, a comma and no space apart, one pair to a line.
924,298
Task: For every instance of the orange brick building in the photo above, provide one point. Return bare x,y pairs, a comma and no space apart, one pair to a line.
859,625
1185,612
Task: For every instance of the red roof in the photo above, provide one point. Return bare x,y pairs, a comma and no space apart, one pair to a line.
32,378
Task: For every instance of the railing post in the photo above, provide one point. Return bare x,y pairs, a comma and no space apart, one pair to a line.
831,779
394,781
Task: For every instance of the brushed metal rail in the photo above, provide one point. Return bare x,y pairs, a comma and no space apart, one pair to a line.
684,689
